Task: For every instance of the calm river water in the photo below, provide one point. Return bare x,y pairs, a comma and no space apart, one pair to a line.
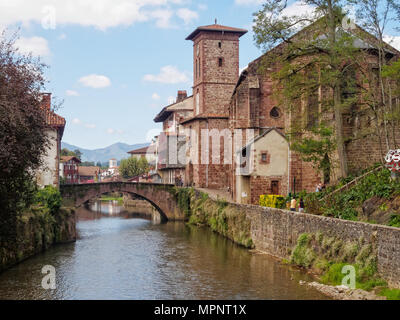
120,256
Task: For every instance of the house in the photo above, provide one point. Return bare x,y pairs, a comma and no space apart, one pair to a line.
89,174
69,169
258,162
48,174
172,138
146,152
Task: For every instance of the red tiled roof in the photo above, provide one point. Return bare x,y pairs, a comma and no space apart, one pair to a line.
54,120
218,28
88,171
68,158
144,150
204,116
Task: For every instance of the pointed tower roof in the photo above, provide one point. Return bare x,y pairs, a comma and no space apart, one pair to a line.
216,28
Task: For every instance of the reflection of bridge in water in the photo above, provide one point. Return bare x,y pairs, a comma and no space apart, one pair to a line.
98,209
161,196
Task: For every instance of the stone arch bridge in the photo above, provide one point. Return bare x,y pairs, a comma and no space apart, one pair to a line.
161,196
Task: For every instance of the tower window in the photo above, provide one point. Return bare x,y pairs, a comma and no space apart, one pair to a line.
220,62
220,44
275,113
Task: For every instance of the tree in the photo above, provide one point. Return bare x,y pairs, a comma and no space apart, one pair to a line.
78,154
310,69
68,153
133,167
23,138
374,16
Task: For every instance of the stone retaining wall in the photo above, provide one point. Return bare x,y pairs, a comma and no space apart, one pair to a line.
276,232
36,231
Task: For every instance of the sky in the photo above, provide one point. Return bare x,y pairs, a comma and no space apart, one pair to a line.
116,63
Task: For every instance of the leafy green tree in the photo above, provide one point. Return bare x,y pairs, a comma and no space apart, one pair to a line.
133,167
310,69
375,16
78,154
23,139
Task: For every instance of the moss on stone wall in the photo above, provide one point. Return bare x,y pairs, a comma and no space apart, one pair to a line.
37,230
328,255
222,217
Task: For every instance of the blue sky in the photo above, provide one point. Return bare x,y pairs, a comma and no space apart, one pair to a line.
116,63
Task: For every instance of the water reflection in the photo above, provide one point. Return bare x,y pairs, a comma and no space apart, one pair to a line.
122,257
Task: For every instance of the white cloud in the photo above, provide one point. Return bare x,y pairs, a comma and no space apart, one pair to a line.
110,131
394,41
162,18
90,126
101,14
95,81
155,96
62,36
298,8
76,121
71,93
169,75
187,15
38,46
202,6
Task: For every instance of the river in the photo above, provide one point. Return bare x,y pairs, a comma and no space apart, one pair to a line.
122,256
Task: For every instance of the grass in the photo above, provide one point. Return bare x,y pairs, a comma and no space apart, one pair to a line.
106,198
328,256
390,294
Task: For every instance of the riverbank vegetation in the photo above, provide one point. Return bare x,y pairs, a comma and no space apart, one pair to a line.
23,138
374,199
219,215
327,256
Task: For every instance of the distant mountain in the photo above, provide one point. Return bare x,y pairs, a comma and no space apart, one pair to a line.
117,151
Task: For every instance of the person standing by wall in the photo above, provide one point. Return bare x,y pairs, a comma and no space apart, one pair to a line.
293,204
301,205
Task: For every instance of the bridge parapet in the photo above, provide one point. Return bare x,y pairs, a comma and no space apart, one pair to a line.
161,196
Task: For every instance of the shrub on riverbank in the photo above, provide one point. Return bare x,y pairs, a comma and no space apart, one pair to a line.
348,204
49,197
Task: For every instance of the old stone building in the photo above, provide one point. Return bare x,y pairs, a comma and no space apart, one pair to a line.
226,105
170,169
48,174
216,70
254,107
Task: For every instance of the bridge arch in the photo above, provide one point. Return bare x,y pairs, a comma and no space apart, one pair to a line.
161,196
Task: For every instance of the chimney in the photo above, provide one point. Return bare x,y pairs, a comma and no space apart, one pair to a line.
46,101
182,95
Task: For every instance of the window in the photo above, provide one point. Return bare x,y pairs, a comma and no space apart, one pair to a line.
220,62
264,157
275,113
197,102
220,44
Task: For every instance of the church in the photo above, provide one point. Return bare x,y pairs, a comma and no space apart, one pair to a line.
226,104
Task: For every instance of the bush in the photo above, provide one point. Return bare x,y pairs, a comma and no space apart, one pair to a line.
394,221
272,201
50,198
